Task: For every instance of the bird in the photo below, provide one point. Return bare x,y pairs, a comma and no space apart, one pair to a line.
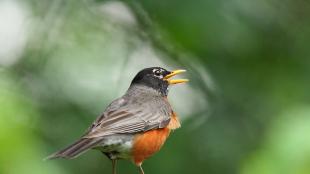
134,126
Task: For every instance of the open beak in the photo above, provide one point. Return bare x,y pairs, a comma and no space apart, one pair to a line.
175,81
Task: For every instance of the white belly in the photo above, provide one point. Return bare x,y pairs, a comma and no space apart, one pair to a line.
117,146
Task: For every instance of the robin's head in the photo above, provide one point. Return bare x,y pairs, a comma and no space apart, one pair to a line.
157,78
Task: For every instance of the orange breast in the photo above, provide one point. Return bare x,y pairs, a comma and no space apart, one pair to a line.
148,143
174,122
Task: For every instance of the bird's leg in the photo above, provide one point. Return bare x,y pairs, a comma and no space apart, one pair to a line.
114,162
141,169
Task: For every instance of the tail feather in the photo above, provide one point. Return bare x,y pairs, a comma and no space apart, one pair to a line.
75,149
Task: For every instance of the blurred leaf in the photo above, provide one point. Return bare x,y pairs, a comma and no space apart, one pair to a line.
286,149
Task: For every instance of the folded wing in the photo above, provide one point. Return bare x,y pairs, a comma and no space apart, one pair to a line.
130,117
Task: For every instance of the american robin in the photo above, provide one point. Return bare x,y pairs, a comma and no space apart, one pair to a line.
134,126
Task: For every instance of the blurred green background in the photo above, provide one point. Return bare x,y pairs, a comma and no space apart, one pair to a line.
246,109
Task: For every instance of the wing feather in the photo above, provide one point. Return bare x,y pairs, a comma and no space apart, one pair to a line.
129,118
127,122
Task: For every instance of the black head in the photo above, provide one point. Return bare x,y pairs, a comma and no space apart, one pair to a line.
153,77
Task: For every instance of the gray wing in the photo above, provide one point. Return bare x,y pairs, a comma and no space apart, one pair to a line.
131,116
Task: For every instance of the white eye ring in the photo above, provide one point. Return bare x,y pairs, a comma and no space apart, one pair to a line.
157,72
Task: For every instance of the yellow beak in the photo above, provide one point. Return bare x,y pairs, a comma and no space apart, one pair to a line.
175,81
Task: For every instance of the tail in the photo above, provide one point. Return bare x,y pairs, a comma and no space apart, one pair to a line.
75,149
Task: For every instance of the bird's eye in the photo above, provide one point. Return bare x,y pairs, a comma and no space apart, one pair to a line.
157,73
